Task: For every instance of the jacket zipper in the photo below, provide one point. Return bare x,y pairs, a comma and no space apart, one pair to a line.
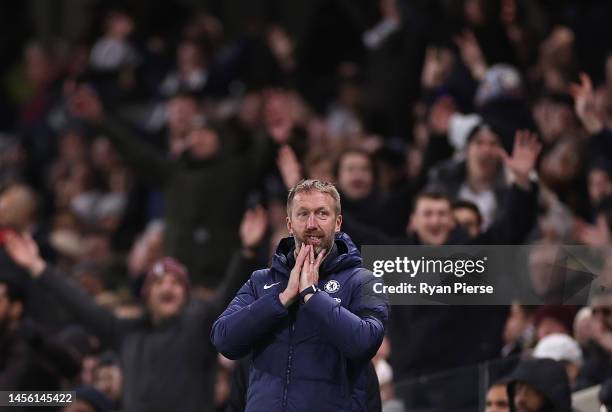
288,370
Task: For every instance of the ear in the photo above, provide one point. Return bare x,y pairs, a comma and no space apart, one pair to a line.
289,226
338,222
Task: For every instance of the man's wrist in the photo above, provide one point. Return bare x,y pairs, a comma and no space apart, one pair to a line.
307,292
286,299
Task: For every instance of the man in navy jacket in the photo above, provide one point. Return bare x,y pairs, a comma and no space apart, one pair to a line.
312,320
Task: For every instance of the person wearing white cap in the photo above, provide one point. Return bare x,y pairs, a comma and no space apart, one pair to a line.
562,348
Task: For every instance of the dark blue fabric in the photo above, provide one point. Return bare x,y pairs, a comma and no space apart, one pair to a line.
310,357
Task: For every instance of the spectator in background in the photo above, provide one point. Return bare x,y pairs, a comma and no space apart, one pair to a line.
552,319
157,376
199,232
479,178
497,398
114,51
539,385
356,184
432,224
519,330
467,215
597,365
29,359
563,349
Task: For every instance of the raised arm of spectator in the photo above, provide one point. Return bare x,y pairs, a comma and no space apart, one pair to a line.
279,123
521,201
600,141
24,251
145,158
252,231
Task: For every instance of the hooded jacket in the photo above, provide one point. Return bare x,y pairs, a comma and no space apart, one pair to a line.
312,356
546,376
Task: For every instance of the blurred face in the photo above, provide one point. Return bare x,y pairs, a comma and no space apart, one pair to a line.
181,111
601,310
166,297
527,399
16,208
600,185
469,219
432,220
544,275
313,220
548,326
482,155
203,143
516,323
108,381
355,178
188,56
497,399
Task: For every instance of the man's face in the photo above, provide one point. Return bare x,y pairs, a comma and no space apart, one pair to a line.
469,219
497,399
166,297
313,220
432,220
482,155
203,143
355,178
527,399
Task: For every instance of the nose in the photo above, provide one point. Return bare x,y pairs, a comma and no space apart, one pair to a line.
311,223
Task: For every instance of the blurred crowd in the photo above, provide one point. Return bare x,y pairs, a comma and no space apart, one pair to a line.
440,122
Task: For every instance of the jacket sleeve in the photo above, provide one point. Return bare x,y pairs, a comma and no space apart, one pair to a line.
149,162
358,332
245,321
95,318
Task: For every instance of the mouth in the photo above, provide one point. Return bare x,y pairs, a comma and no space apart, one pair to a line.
167,299
313,240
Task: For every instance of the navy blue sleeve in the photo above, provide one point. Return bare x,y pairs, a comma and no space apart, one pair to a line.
358,332
246,320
